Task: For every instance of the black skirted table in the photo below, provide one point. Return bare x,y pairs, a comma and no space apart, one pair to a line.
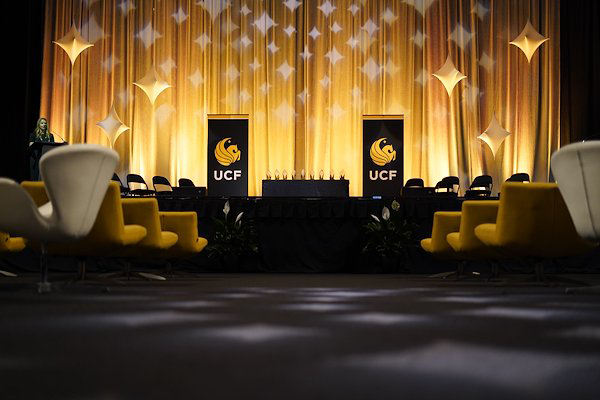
309,234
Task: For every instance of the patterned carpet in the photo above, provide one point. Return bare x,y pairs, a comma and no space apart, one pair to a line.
281,336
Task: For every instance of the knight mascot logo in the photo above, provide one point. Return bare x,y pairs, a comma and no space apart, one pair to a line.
382,154
227,154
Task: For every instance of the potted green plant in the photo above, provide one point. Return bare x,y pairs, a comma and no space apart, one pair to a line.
388,238
234,240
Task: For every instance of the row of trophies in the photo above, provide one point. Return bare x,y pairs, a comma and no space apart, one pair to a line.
284,175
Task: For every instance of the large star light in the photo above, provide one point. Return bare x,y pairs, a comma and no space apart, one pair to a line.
529,40
152,85
494,135
73,44
112,126
449,75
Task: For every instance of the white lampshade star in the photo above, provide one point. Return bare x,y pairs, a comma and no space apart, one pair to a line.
112,125
449,75
152,85
529,40
73,44
494,135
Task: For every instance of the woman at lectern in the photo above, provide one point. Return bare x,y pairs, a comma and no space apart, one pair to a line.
41,134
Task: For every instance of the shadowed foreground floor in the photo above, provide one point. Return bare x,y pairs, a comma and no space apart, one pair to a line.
299,337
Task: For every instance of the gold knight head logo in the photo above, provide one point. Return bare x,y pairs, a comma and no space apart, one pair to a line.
382,153
226,153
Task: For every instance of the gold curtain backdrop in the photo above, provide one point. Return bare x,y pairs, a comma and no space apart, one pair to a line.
306,72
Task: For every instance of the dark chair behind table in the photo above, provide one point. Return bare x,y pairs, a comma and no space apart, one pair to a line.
188,188
161,185
449,186
124,189
480,187
415,187
519,177
144,191
185,182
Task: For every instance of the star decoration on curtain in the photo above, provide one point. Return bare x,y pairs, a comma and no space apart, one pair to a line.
314,33
203,40
461,36
306,54
353,9
292,4
179,16
148,35
245,10
494,135
112,126
73,44
93,29
152,85
196,78
264,23
289,30
449,75
371,69
335,28
125,6
285,70
326,8
213,7
420,6
529,40
388,16
334,56
370,27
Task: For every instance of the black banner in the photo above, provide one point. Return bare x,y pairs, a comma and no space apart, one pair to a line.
383,156
227,157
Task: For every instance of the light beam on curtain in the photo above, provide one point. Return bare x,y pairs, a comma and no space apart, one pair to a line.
305,72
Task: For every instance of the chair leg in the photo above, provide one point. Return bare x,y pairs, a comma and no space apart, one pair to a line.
81,268
44,286
494,271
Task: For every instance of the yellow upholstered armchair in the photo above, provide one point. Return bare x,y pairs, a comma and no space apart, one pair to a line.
185,225
533,222
464,242
144,212
109,234
444,222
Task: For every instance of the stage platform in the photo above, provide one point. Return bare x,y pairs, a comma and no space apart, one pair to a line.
310,234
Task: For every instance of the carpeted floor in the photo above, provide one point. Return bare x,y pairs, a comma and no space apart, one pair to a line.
284,336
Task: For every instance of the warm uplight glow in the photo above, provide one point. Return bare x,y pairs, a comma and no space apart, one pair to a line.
305,80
